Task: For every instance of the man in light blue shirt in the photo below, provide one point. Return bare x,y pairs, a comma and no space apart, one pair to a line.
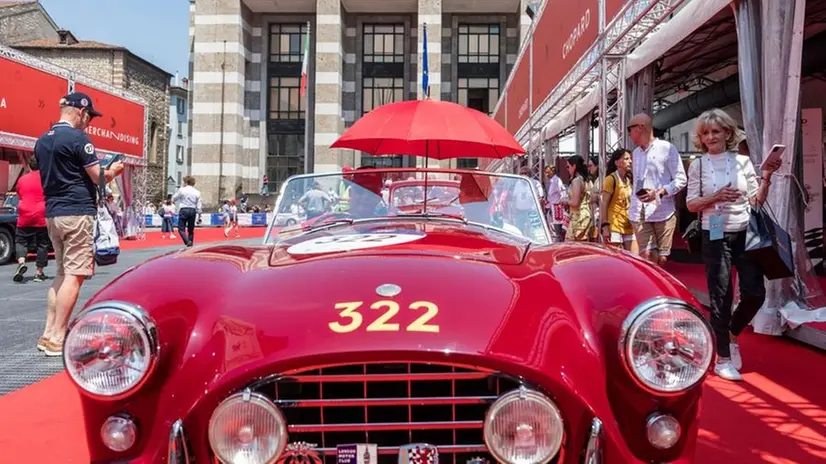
658,176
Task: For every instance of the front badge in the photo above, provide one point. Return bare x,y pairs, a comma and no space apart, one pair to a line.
366,453
418,453
300,453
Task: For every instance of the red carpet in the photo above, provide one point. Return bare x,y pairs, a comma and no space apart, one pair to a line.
202,236
777,415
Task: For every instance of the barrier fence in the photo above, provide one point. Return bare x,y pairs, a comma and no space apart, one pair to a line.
215,219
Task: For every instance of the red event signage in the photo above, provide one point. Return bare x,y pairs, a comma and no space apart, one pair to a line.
612,8
121,128
519,94
566,29
28,99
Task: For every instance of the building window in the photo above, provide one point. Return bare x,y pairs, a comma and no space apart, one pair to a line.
478,43
287,42
179,179
179,155
181,106
479,93
286,102
180,129
285,158
382,76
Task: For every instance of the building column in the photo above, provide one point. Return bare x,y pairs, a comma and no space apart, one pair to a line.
326,81
430,13
219,63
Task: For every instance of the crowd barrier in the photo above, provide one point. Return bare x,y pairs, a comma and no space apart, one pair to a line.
216,219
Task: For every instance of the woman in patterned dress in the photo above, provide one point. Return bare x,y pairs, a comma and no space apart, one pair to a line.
579,201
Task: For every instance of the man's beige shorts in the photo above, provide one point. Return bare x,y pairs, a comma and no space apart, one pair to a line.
73,241
656,236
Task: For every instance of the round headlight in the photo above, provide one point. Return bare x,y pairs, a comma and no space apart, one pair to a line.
110,349
667,345
523,427
247,428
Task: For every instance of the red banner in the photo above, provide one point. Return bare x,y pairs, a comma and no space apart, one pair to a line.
519,94
612,8
566,29
499,116
121,128
28,99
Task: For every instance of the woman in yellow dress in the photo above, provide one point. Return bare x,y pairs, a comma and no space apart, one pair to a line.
615,225
579,201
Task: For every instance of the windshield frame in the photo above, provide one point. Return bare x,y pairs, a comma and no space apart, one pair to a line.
542,217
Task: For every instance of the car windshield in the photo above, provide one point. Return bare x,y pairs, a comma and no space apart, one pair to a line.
493,202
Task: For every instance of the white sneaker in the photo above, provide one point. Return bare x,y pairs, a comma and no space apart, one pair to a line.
736,359
726,370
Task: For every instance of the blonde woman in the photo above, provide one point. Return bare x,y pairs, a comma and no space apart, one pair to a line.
722,186
617,188
579,200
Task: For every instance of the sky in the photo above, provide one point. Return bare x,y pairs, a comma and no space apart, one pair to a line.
155,30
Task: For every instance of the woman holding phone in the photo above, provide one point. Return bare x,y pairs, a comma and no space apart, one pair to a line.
722,187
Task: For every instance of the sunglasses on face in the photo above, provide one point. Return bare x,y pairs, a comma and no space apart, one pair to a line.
630,128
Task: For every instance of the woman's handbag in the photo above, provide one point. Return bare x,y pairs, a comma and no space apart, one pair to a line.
769,245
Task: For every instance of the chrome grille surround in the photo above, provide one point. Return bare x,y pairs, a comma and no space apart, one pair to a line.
390,405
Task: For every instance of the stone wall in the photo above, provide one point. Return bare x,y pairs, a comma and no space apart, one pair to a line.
97,64
25,22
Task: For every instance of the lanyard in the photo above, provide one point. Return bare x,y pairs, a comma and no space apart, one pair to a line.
714,178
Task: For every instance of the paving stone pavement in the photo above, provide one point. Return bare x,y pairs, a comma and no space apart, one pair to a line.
23,312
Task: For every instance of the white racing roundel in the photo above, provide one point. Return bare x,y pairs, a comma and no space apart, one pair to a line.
349,242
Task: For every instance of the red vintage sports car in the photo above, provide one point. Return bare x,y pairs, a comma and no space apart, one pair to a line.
394,336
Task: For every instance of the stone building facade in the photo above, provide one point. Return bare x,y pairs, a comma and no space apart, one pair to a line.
26,26
362,54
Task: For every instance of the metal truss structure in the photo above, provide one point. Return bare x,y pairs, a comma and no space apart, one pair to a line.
611,110
138,165
634,23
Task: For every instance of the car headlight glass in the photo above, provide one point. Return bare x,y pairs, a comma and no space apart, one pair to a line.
523,427
247,428
110,349
667,345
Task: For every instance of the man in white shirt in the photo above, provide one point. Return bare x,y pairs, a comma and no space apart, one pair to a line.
188,199
658,176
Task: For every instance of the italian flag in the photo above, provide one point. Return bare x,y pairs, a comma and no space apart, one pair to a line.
305,61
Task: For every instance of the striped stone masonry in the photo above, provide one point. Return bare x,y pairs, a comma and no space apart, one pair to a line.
524,20
430,13
327,82
224,146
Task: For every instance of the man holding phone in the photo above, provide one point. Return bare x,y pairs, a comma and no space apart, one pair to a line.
658,176
70,174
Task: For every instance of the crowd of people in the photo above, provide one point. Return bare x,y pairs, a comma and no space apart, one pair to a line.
634,209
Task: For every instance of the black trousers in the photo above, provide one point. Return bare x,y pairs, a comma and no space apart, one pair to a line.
186,225
27,238
719,256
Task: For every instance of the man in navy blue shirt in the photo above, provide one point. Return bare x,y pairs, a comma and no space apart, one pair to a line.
70,173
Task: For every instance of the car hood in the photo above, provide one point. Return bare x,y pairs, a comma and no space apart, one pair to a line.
408,238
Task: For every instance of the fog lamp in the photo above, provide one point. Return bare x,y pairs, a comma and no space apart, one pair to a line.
663,431
119,433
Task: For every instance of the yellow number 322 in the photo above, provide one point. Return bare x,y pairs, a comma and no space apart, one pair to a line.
350,314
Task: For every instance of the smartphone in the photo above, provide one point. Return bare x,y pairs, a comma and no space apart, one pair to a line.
109,159
775,153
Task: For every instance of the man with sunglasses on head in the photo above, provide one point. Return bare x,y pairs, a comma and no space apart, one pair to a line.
658,175
70,174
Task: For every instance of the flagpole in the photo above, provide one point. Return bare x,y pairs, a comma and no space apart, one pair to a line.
304,83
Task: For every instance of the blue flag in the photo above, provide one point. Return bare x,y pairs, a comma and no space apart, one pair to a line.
425,77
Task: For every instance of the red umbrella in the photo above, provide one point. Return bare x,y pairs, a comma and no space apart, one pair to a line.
430,128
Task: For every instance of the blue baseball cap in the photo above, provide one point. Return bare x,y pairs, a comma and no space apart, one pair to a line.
80,100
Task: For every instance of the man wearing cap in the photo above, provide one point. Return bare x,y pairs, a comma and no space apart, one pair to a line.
70,173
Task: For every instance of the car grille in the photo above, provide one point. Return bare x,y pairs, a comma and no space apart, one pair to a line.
390,405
